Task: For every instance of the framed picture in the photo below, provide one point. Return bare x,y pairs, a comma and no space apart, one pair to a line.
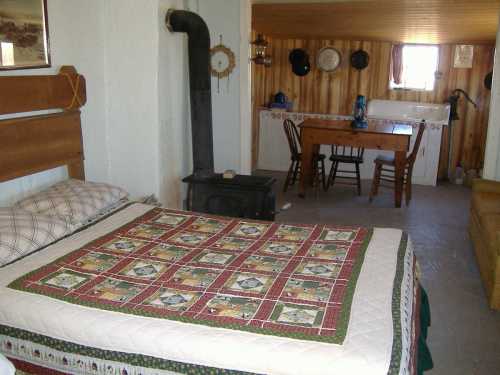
464,56
24,41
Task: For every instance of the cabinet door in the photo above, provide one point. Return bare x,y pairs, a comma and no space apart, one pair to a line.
420,167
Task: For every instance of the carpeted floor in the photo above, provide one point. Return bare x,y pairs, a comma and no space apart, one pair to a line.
465,333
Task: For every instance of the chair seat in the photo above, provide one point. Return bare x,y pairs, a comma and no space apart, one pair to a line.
346,158
317,157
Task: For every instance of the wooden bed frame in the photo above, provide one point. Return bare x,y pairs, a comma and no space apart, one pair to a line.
33,144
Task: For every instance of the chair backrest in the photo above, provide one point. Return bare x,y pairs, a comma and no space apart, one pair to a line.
293,137
413,155
353,152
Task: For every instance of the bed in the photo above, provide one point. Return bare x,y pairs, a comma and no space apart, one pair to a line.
147,290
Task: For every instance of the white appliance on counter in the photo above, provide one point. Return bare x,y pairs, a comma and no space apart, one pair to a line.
274,153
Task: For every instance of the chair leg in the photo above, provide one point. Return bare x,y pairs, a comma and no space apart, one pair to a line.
296,171
375,181
330,175
323,175
333,173
314,172
408,187
358,178
288,176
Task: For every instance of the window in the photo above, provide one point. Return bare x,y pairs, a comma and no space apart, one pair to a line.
418,67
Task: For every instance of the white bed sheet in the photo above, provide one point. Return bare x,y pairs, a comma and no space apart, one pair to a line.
366,349
6,368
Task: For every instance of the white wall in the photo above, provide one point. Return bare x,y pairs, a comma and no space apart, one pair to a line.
131,78
175,155
231,105
76,30
136,122
492,154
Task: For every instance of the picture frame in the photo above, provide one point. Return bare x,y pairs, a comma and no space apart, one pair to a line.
24,35
464,56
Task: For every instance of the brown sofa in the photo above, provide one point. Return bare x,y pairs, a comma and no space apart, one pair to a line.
485,233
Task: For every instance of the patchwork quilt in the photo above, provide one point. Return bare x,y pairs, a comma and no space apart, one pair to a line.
275,279
158,291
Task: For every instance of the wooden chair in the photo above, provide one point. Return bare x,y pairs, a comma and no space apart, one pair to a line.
386,164
293,137
347,155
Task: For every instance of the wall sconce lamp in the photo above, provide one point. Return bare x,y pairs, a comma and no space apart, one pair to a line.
261,45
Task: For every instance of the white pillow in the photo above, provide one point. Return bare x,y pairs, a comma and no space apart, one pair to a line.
23,232
73,200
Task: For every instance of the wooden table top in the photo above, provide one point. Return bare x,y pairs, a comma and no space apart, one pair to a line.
373,126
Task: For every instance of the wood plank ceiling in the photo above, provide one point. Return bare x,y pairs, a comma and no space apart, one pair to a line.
407,21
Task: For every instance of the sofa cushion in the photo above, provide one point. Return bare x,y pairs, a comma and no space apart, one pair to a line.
486,203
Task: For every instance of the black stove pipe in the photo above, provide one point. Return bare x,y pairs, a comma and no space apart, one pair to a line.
199,84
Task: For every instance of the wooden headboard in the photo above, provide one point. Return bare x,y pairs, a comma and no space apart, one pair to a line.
36,143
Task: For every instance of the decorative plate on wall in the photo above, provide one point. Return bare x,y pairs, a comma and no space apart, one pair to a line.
328,59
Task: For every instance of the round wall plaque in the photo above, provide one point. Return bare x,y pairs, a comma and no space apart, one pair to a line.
222,61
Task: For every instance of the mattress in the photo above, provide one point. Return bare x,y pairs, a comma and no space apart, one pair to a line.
374,331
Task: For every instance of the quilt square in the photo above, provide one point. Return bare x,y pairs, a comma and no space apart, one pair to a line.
197,277
96,262
215,258
144,269
313,268
169,253
66,279
338,235
208,225
299,315
123,245
264,263
293,233
170,219
250,230
317,291
280,248
330,251
116,290
249,282
233,243
189,238
147,231
232,307
173,299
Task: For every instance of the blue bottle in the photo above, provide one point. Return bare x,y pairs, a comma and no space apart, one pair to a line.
360,113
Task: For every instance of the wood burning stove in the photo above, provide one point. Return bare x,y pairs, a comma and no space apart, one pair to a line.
241,196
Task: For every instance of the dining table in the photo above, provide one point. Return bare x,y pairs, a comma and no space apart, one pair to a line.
378,135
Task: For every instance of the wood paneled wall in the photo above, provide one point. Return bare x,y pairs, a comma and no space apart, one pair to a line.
321,92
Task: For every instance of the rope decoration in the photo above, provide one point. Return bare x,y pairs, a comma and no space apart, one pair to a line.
74,88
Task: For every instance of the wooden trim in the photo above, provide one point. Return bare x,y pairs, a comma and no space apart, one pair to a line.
37,143
37,93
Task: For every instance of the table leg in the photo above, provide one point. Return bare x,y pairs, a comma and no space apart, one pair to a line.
400,159
307,156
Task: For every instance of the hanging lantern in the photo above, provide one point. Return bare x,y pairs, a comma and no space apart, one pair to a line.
260,45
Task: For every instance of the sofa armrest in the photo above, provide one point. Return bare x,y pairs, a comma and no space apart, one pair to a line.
485,186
